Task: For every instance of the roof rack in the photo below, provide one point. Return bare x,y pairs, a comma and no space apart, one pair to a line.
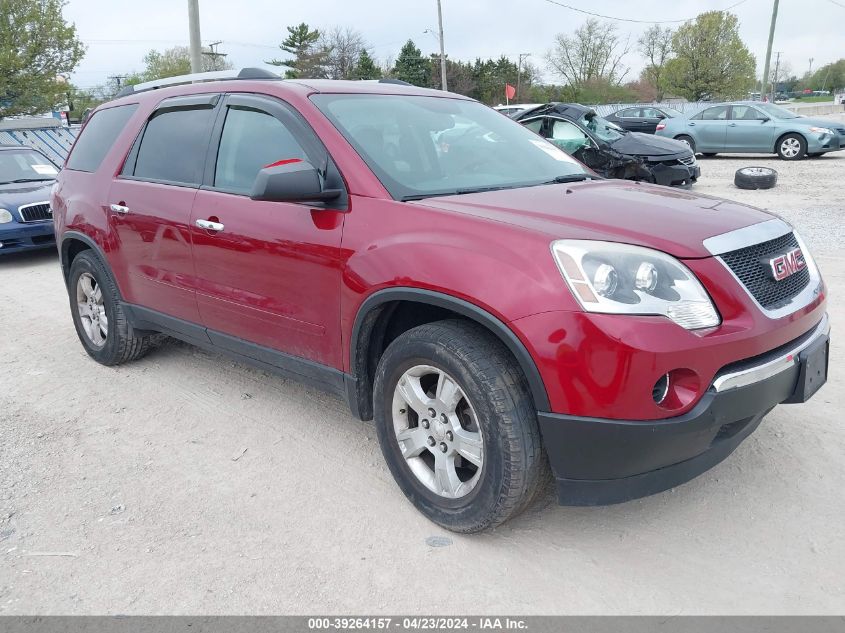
397,82
219,75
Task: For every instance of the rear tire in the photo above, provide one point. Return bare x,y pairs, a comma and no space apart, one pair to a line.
493,411
100,322
791,147
683,138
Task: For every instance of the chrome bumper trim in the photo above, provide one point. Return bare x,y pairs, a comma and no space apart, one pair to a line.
784,361
748,236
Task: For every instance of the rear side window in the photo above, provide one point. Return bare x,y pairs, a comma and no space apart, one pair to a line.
719,113
251,140
98,136
173,146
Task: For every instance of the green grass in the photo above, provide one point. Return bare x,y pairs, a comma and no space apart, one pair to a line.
817,99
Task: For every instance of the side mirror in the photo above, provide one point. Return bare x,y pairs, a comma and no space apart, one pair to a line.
290,181
765,119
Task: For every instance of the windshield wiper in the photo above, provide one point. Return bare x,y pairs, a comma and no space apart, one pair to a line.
457,192
568,178
17,180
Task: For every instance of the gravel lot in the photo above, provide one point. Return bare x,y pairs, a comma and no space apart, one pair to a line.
186,483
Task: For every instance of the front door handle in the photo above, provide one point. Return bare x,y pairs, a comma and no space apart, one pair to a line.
119,208
691,124
731,124
208,225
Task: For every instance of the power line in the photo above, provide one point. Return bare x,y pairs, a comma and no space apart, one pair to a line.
610,17
837,3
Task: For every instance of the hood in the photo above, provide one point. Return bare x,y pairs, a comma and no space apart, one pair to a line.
14,195
816,122
669,220
638,144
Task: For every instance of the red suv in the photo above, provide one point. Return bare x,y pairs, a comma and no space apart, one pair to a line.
498,309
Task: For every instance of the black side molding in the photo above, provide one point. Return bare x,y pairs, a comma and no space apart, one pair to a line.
321,376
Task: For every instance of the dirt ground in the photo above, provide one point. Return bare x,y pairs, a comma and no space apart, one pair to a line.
186,483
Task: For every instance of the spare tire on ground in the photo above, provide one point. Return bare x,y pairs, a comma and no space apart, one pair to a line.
755,178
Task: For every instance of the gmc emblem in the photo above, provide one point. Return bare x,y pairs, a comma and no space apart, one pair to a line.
787,264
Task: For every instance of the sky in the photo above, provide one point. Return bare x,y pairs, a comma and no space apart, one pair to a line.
118,33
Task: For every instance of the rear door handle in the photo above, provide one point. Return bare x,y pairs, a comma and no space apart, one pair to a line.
119,208
208,225
731,124
691,124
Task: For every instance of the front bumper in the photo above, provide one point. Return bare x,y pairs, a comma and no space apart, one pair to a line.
16,237
826,143
675,175
603,461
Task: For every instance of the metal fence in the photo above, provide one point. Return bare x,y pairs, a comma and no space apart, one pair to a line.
53,142
686,107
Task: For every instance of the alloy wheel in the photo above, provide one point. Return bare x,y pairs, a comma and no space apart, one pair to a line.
790,147
438,431
92,310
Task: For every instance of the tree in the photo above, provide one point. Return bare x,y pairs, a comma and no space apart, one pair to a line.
36,47
172,62
656,46
411,66
366,67
828,77
594,52
310,55
711,61
344,48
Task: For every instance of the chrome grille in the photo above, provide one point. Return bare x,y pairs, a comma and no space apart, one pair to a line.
752,268
38,212
687,160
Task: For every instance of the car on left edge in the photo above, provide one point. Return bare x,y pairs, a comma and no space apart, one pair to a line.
26,220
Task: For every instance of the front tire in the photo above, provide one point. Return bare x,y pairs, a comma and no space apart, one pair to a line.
683,138
791,147
100,322
457,426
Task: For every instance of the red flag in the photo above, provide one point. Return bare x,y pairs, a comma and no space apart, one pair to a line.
510,91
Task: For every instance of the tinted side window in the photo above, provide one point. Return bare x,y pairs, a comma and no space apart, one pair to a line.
719,113
174,145
535,125
630,113
98,136
745,113
251,140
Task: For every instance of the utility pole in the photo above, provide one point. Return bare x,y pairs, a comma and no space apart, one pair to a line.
443,83
519,74
764,88
194,32
118,79
810,72
214,55
775,76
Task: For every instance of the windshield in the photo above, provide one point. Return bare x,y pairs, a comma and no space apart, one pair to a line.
775,111
24,165
429,146
671,112
604,129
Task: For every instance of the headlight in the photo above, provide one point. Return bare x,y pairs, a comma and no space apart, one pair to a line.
822,130
613,278
5,216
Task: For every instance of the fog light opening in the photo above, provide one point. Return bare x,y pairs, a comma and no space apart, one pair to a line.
660,389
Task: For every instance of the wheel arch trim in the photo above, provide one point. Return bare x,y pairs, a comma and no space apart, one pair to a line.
460,306
69,236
